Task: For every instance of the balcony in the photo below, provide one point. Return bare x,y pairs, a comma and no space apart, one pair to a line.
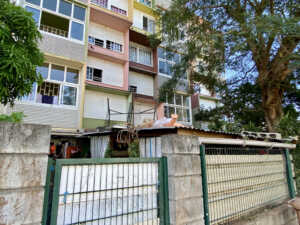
54,30
101,3
104,4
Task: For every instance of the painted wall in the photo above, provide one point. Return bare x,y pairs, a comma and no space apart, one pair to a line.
144,83
122,4
95,106
106,33
138,18
62,47
112,73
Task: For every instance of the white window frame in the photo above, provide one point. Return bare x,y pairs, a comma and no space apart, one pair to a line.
181,107
138,48
148,24
56,13
167,61
97,68
105,45
61,85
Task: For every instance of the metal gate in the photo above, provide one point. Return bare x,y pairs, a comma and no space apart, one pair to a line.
107,192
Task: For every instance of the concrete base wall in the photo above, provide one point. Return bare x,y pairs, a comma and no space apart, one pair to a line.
23,167
281,215
185,182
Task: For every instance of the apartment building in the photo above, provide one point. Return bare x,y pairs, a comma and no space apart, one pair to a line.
99,65
107,63
58,101
143,61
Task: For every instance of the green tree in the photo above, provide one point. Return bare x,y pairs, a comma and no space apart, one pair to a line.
19,52
257,39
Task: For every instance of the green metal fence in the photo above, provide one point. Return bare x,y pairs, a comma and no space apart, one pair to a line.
107,192
239,180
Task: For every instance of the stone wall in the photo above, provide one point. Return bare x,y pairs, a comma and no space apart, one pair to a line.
185,182
23,166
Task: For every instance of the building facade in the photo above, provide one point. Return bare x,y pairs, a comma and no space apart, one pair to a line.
100,67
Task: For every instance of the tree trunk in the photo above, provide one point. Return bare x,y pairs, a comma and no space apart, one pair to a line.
272,105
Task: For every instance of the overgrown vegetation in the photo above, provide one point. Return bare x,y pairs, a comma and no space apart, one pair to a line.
15,117
108,151
134,149
257,40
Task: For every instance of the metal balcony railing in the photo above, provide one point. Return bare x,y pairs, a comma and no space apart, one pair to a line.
54,30
102,3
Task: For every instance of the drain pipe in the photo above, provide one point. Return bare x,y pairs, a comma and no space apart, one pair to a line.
295,203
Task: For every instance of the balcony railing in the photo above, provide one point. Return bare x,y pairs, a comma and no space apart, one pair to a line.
54,30
102,3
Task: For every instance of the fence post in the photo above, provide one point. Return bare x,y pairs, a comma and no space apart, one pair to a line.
47,201
204,185
55,200
289,174
166,190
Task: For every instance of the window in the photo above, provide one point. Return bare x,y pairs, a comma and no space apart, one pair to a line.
57,73
178,104
77,31
72,76
43,70
48,93
34,2
60,21
148,25
79,13
102,3
141,55
146,2
133,89
94,74
35,13
166,60
69,95
50,4
54,24
114,46
96,41
65,8
118,10
60,88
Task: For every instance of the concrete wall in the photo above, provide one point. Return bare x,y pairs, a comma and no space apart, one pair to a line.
23,160
281,215
185,182
56,116
62,47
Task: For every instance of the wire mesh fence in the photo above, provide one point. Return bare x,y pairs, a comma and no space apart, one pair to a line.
108,192
243,179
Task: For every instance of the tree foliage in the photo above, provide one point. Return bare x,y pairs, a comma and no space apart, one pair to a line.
240,109
256,39
19,52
